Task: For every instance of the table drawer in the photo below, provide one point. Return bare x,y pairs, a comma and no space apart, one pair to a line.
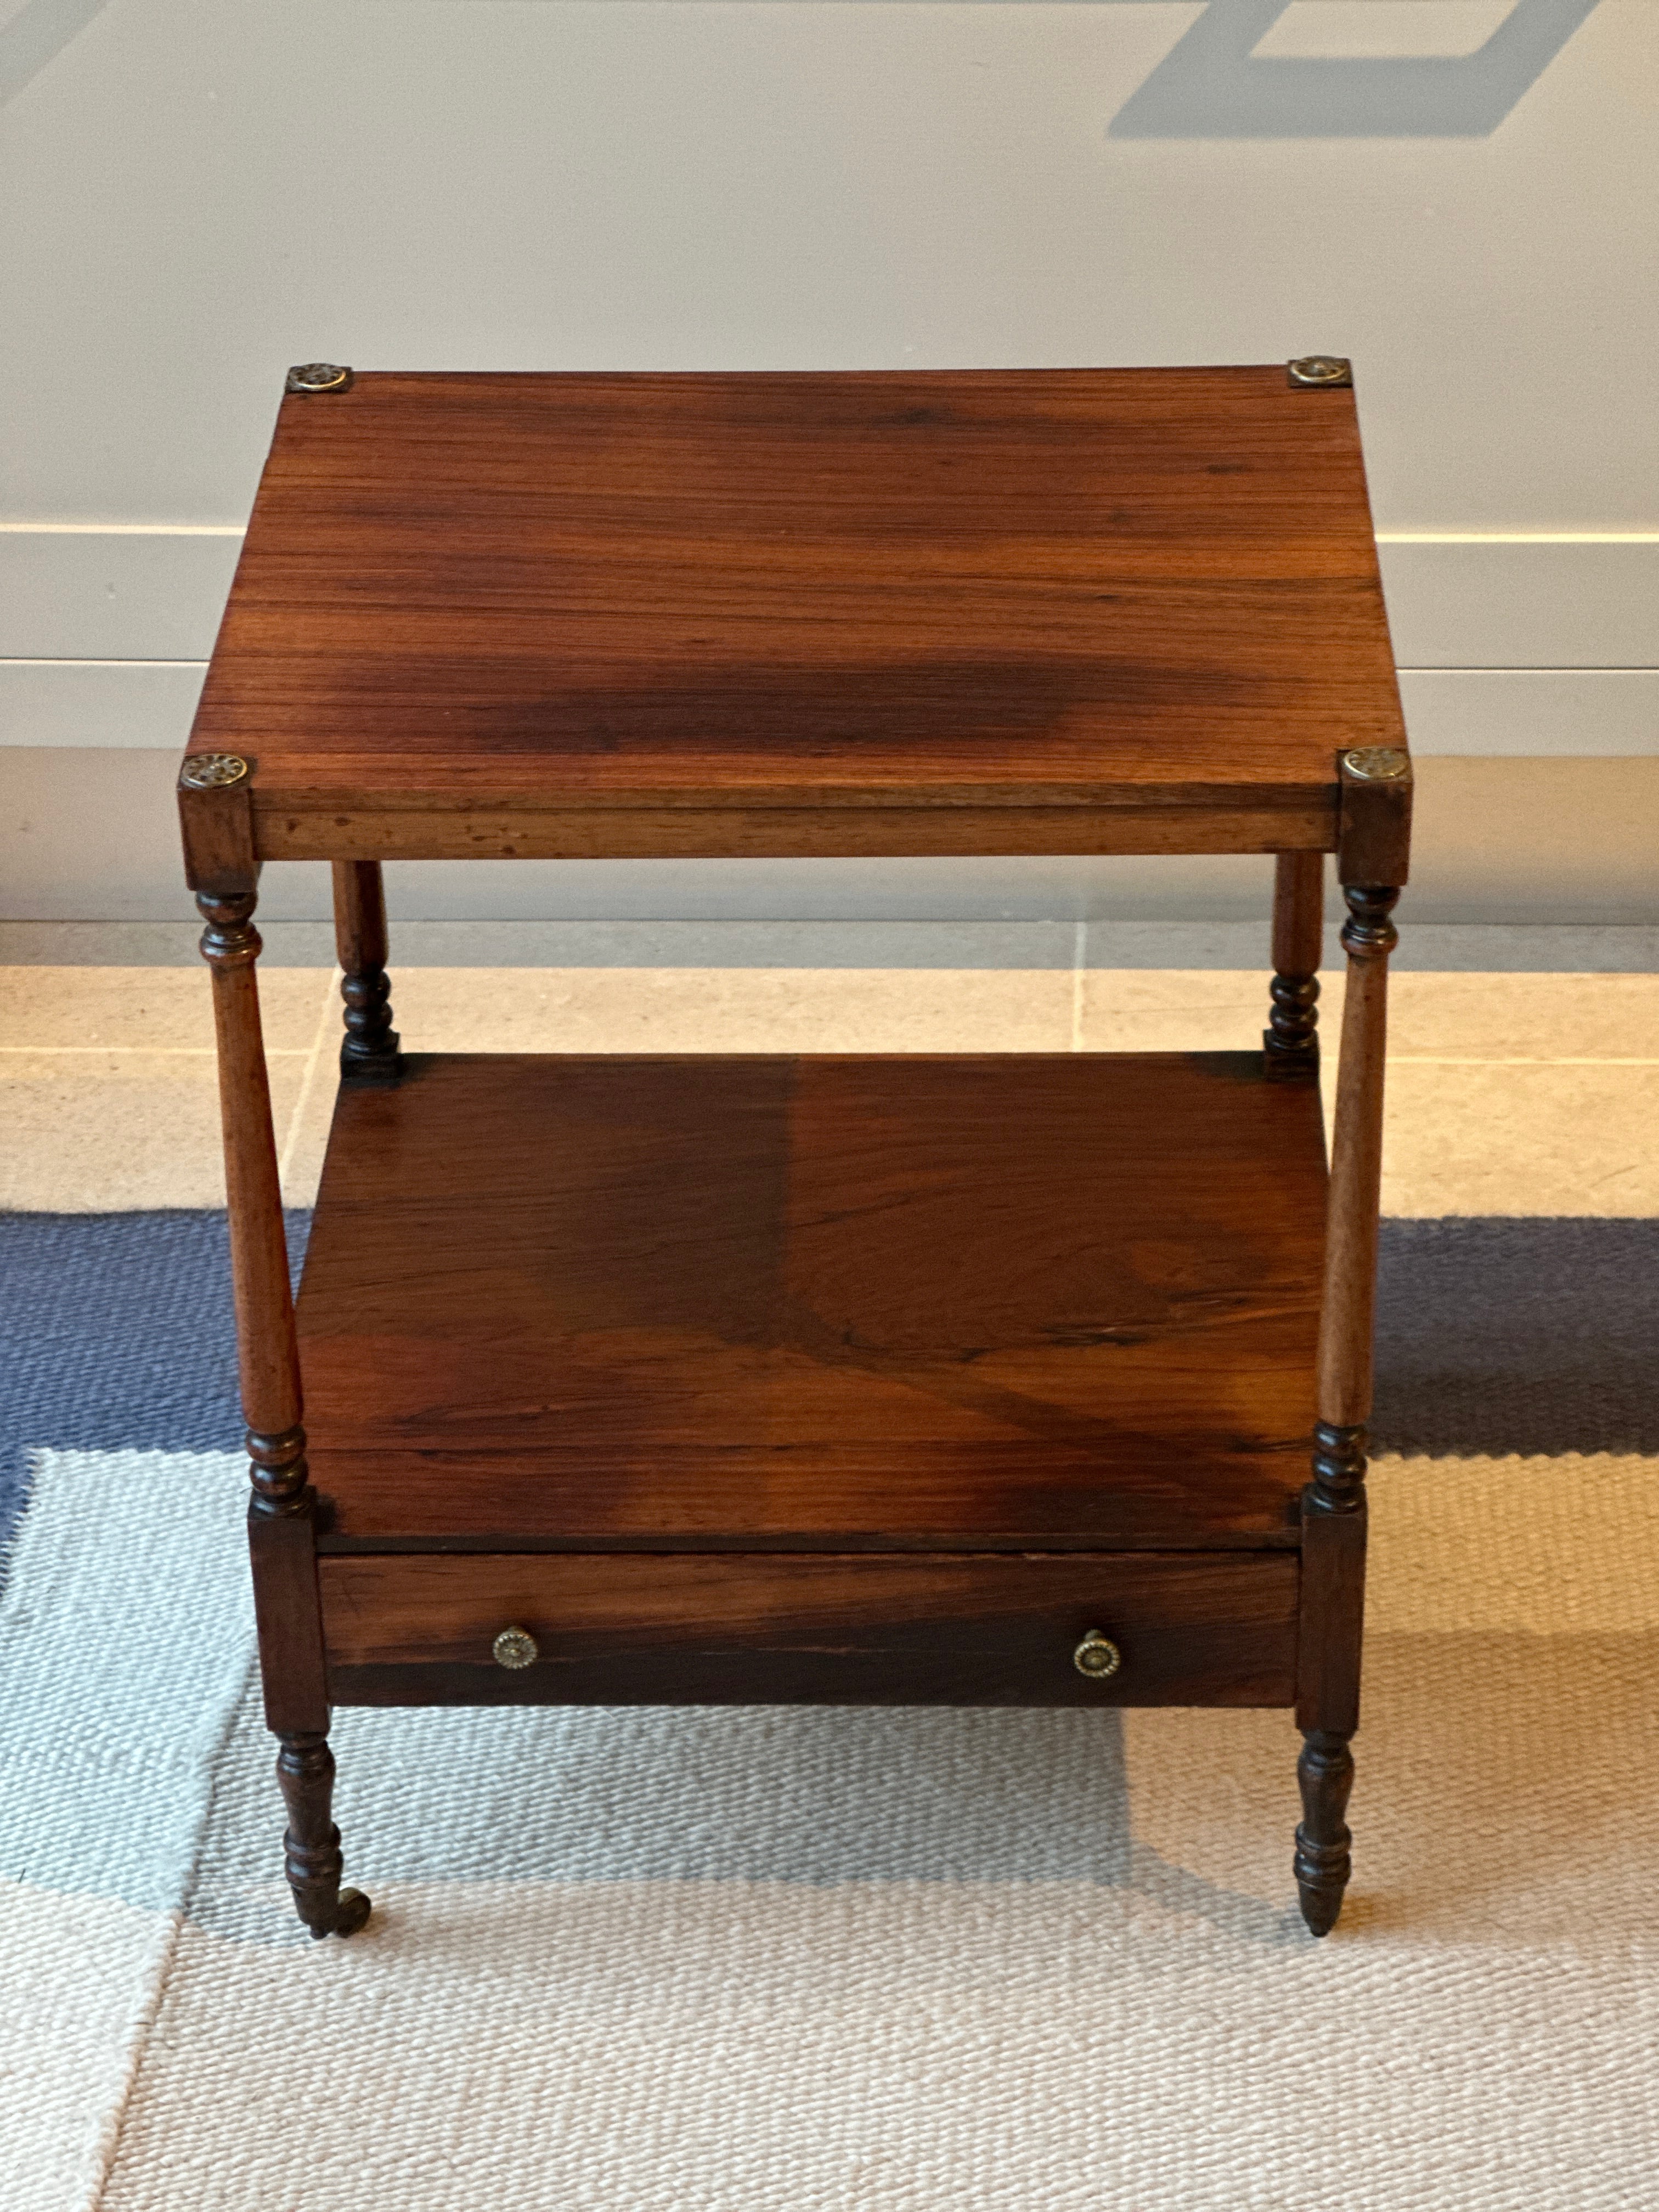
1202,1629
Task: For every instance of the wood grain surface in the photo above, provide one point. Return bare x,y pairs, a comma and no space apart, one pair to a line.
1291,1037
532,596
368,1050
1298,914
780,1629
351,819
268,1360
997,1302
1347,1326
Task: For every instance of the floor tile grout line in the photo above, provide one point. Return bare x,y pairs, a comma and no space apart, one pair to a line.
1397,1058
1517,1060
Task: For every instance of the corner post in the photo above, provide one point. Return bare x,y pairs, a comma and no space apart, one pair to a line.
368,1052
1290,1041
1372,852
282,1527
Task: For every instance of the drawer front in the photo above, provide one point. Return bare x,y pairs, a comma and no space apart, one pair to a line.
1215,1629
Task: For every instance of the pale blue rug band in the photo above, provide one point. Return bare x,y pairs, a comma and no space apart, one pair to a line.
126,1639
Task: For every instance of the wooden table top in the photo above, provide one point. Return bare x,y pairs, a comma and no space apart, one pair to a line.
1081,610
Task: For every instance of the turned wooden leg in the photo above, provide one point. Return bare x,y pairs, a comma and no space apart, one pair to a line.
369,1051
1325,1773
305,1769
282,1510
1334,1517
1290,1040
1333,1513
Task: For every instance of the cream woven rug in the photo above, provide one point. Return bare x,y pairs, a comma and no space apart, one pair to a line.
840,1961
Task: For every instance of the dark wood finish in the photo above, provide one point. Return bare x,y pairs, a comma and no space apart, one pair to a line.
1374,833
523,597
1323,1862
1329,1651
1299,913
984,1302
1347,1311
312,1860
369,1051
866,1379
281,1511
220,861
298,826
283,1551
1332,1599
782,1629
1338,1467
1332,1603
258,1250
1334,1514
1290,1041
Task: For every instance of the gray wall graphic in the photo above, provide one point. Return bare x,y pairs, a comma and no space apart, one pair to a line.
1212,85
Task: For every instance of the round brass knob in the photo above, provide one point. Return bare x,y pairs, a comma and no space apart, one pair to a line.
515,1648
1097,1656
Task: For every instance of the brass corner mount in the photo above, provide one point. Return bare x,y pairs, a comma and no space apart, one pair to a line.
1323,370
317,376
211,771
1378,763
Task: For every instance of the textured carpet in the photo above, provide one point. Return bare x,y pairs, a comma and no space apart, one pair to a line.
766,1961
840,1959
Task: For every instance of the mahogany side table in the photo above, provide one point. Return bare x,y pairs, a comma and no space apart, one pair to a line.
978,1379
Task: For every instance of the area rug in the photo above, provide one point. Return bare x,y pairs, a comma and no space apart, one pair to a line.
768,1960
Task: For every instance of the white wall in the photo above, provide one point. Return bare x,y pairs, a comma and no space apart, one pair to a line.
1457,194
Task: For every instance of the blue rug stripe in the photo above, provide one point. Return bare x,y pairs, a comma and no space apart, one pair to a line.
116,1335
105,1773
1530,1334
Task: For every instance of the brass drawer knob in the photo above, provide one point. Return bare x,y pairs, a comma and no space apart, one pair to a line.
515,1648
1097,1656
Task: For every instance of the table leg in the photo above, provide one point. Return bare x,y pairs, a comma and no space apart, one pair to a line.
311,1852
1334,1503
281,1532
1291,1039
369,1053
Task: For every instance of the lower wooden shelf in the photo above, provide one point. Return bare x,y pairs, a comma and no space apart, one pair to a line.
824,1629
969,1303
